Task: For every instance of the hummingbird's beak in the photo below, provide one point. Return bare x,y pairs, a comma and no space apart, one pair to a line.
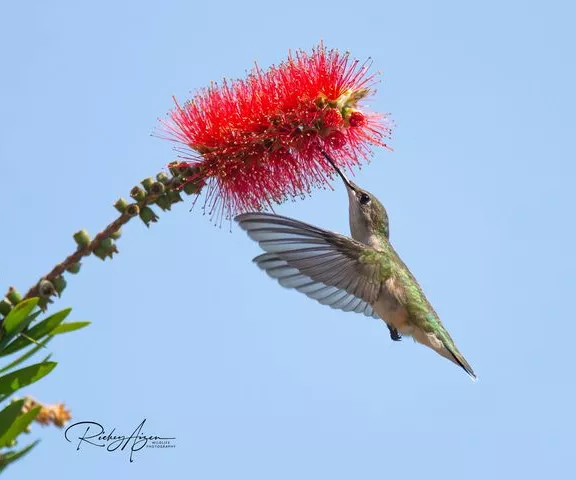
344,178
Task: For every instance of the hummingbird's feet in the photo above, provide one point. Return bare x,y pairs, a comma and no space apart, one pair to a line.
394,335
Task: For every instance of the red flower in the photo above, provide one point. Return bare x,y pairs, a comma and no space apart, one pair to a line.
259,141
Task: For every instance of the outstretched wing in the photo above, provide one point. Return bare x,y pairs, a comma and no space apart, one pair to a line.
333,269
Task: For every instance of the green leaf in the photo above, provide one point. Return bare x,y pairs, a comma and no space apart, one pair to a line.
26,356
19,328
38,331
25,376
69,327
13,455
48,357
8,417
19,314
20,422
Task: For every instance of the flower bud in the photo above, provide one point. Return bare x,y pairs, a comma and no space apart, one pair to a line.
14,296
184,170
174,196
132,210
137,194
177,182
147,183
163,178
337,139
357,119
121,205
192,188
74,268
157,188
100,252
116,235
107,243
332,118
59,284
46,289
82,238
148,216
173,167
164,202
5,307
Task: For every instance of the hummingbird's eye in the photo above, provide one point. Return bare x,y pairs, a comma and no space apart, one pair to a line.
364,199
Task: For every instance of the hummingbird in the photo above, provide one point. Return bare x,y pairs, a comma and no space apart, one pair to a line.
362,274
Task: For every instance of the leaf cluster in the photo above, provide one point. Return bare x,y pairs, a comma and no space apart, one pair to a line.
22,336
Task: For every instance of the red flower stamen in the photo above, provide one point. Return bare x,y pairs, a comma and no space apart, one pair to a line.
260,140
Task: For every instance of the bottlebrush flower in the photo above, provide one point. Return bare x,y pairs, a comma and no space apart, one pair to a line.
258,141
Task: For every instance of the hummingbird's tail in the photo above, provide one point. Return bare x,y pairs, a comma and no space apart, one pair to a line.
459,359
445,348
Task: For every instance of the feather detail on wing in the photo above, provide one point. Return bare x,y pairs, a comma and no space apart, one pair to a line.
325,266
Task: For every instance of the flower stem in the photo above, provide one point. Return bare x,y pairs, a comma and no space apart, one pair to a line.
164,191
74,258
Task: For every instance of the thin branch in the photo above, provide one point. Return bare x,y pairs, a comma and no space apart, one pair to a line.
167,187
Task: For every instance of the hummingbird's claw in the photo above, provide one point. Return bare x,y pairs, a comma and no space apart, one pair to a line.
394,335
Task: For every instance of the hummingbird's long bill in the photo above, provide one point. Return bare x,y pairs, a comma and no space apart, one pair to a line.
344,178
349,275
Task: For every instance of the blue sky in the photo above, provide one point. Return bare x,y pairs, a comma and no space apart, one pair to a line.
257,382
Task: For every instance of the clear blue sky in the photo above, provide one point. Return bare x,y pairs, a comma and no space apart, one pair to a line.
257,382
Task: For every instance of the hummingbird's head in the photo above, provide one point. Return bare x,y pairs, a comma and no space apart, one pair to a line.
368,217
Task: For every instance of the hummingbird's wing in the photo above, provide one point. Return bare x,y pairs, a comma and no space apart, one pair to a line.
345,274
334,297
325,266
